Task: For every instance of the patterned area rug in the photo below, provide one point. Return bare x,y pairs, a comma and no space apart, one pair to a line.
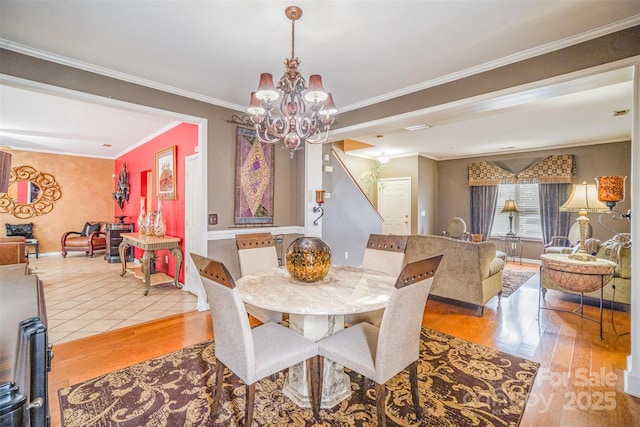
461,384
513,279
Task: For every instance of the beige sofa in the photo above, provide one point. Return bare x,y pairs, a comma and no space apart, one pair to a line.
617,249
469,272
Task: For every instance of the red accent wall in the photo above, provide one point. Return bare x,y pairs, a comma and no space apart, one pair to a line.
185,138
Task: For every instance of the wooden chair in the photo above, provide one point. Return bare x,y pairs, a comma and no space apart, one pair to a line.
381,353
92,238
385,254
251,354
257,252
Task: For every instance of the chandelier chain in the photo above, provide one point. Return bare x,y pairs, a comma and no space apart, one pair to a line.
293,38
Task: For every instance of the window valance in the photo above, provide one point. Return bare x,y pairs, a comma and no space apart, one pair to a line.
560,169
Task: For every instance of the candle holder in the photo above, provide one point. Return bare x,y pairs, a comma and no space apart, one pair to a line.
319,208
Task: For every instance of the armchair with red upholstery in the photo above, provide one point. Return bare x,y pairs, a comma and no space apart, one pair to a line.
92,238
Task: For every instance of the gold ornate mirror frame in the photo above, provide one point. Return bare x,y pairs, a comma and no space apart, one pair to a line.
43,204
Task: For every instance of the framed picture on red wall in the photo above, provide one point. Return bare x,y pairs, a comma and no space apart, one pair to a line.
165,174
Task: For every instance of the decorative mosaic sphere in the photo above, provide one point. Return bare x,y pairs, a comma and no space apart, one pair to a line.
308,259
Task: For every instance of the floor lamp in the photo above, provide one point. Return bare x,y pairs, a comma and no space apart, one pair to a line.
583,199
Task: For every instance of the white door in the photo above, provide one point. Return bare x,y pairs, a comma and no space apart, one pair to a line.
394,205
195,227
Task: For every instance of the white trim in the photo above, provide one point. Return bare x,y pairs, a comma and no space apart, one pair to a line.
232,232
632,373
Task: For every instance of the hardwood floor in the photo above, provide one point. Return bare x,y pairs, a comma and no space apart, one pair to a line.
580,381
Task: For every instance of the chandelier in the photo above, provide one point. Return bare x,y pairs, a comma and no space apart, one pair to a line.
292,112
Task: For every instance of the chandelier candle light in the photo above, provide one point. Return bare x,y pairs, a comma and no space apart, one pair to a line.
305,113
583,199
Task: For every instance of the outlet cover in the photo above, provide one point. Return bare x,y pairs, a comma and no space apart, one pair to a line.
213,219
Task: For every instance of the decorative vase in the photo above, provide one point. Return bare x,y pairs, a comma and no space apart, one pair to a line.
142,217
148,223
159,225
308,259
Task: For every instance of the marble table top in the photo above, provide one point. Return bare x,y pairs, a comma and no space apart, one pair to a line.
344,290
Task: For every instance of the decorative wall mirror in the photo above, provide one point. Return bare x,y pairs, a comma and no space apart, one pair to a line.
31,193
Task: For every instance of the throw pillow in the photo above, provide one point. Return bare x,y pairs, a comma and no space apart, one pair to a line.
25,230
93,228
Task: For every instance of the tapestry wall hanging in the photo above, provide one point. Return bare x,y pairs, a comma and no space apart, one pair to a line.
254,179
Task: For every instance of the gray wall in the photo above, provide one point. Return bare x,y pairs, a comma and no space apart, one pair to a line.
591,161
349,217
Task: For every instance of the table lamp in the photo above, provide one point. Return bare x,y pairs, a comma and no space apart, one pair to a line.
511,207
583,199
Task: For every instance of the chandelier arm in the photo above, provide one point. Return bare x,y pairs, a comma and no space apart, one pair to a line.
322,137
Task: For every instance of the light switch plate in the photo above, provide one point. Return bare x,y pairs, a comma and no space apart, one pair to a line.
213,219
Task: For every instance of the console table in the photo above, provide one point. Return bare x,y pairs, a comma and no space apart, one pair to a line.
150,244
578,276
512,246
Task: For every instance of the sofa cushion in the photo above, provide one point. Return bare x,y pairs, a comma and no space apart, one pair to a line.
25,230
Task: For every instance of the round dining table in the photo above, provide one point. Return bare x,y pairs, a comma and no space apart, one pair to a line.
316,310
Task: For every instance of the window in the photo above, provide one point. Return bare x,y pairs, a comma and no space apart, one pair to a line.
526,223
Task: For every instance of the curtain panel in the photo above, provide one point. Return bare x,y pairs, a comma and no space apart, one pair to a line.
554,222
483,205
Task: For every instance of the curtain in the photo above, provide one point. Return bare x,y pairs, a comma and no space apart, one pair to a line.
483,205
554,222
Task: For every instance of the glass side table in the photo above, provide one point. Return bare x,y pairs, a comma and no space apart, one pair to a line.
512,246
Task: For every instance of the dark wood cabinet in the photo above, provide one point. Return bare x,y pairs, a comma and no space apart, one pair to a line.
114,239
25,354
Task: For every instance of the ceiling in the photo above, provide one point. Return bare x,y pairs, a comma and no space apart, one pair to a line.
366,51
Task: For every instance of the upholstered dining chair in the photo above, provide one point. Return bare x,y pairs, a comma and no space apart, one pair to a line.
384,253
251,354
257,252
381,353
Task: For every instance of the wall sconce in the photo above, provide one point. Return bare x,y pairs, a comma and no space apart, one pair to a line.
122,194
383,159
319,208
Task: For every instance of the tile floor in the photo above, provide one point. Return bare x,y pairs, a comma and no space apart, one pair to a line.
86,296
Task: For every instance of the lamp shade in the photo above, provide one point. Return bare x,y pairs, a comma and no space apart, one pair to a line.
510,206
584,198
610,188
266,91
329,106
254,107
315,91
